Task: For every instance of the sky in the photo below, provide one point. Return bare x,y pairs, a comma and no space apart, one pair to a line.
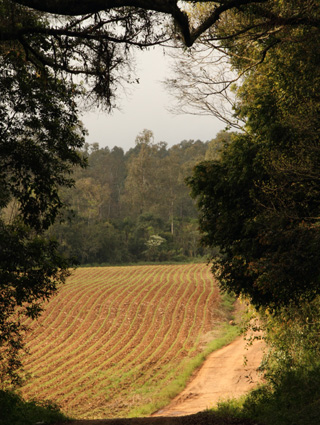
146,107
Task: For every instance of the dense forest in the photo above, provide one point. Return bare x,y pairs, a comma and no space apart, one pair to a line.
134,206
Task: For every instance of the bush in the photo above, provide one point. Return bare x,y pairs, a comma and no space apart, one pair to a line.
296,400
15,411
291,395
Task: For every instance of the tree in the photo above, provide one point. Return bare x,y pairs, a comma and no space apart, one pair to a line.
141,182
40,136
216,146
269,14
155,182
95,46
95,39
153,245
206,75
90,197
260,202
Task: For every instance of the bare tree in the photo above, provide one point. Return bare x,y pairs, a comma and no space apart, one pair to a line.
202,84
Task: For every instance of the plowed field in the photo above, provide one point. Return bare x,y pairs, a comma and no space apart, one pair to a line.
116,338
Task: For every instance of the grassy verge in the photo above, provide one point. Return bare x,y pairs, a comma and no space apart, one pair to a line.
15,411
178,379
164,395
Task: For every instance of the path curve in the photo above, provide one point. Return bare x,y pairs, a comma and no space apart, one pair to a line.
223,375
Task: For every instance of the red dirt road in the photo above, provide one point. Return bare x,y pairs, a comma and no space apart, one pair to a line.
223,375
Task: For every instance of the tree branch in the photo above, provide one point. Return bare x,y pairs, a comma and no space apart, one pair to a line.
80,7
168,7
215,15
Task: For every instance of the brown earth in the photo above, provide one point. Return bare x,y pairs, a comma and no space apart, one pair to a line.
111,330
223,375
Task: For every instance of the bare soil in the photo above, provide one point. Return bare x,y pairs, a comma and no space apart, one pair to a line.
111,330
228,373
224,375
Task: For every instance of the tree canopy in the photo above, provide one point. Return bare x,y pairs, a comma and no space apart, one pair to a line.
260,201
173,8
124,202
40,135
96,39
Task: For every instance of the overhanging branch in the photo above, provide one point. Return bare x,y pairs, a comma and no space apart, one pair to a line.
168,7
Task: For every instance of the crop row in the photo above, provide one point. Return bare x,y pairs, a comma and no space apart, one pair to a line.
111,331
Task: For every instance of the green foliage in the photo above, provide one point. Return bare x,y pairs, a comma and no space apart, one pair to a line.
296,400
259,203
15,411
217,145
227,334
40,136
292,336
291,366
122,199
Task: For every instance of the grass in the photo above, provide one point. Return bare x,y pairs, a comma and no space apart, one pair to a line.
15,411
294,400
227,334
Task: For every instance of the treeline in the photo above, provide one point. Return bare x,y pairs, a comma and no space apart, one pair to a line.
134,206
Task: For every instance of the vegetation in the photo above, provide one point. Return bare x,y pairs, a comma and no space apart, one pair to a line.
16,411
40,136
133,206
271,45
294,401
258,197
260,201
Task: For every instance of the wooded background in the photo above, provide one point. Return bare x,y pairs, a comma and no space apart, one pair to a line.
134,206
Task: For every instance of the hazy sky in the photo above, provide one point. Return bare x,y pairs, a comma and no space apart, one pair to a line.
147,108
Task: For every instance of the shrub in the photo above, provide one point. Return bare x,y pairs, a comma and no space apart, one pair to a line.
15,411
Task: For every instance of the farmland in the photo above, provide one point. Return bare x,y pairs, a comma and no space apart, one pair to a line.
115,339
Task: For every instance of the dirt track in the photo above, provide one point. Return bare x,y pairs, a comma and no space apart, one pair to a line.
222,376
